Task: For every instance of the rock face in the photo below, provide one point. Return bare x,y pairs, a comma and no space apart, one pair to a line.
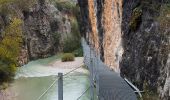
40,25
45,28
132,37
146,46
103,29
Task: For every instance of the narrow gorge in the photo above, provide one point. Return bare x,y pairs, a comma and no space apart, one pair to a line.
132,38
34,34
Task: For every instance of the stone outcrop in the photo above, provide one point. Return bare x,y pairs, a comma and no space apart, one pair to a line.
132,37
40,24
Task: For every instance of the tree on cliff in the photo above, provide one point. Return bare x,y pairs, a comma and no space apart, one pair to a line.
9,50
10,42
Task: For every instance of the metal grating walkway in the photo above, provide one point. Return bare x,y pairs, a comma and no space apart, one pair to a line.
109,85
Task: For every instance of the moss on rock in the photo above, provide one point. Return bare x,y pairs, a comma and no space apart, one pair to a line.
135,19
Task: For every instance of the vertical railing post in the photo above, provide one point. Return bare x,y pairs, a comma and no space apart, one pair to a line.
91,74
60,86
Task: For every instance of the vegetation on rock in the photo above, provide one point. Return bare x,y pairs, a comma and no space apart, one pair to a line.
71,44
78,52
135,19
10,43
9,50
66,6
11,33
68,57
148,94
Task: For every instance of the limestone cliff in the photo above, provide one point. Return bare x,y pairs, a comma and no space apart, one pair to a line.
104,28
45,26
40,23
132,37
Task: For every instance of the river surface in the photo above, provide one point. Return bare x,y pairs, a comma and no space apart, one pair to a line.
34,78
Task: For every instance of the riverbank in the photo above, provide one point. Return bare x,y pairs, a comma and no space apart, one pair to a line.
67,65
34,78
44,67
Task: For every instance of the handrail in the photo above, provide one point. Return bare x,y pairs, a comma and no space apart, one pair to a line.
47,90
55,82
134,87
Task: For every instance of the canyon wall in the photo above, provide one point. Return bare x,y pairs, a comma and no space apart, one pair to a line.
45,27
132,37
102,21
42,23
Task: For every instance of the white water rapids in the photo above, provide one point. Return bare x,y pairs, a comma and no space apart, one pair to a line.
34,78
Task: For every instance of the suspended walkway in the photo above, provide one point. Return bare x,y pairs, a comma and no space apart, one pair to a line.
109,85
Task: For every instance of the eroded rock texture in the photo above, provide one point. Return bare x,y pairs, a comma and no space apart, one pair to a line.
45,27
103,29
131,36
40,25
145,44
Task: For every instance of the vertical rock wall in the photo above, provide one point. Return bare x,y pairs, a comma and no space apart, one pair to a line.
112,17
145,44
129,37
104,31
41,24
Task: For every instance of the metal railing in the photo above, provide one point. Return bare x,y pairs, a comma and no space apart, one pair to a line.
109,84
59,79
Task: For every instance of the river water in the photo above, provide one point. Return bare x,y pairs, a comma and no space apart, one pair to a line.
34,78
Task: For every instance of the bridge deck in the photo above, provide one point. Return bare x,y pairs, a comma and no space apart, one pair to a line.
110,86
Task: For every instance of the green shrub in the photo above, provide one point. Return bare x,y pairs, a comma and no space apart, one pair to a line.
75,28
70,45
56,37
65,5
68,57
25,4
73,43
7,71
21,4
10,47
78,52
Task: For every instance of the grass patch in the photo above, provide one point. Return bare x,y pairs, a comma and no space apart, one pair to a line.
68,57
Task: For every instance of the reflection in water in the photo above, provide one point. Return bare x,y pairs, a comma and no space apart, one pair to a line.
34,78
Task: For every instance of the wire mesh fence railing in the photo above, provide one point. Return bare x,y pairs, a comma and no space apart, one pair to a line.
64,76
109,85
103,81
